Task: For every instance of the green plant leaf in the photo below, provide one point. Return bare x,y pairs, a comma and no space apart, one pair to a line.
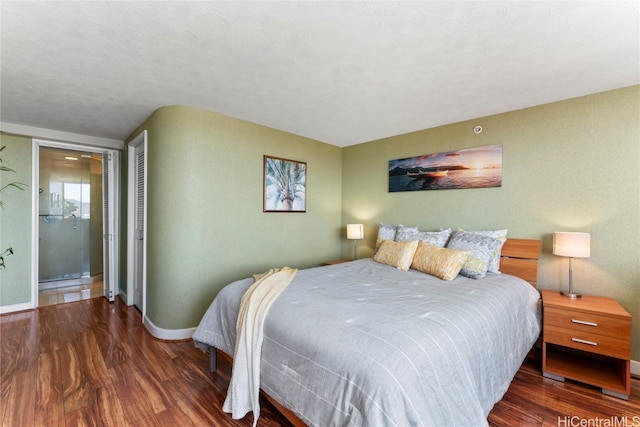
18,185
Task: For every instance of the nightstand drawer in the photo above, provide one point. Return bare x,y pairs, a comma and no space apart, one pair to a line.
590,323
593,343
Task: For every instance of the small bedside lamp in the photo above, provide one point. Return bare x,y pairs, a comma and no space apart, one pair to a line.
355,232
572,245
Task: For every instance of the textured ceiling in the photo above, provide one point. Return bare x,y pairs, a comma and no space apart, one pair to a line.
338,72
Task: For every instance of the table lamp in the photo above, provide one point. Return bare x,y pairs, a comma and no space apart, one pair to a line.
572,245
355,232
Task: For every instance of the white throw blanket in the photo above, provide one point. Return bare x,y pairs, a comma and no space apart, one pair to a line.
244,387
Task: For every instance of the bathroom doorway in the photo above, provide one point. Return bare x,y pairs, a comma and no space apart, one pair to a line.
75,252
70,250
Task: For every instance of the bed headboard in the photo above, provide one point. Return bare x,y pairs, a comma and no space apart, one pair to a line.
520,258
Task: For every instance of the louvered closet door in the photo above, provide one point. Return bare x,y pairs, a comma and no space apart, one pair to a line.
139,227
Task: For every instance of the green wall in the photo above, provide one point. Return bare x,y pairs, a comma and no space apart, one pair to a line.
567,166
15,221
205,225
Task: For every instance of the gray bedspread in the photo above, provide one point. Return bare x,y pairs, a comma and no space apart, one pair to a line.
362,343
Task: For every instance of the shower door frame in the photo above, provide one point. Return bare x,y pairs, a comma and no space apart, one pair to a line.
110,221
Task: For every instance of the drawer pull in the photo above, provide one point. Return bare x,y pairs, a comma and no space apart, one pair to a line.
584,341
582,322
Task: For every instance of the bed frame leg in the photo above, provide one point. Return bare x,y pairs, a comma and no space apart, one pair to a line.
213,359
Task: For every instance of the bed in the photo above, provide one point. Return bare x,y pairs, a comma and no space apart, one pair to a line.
363,343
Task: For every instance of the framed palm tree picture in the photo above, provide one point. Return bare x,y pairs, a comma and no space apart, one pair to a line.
285,185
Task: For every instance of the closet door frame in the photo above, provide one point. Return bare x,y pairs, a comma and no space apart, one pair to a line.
136,265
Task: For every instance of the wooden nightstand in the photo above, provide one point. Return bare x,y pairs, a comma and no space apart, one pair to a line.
337,261
587,339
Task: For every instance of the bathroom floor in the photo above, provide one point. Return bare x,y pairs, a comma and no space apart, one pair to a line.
70,293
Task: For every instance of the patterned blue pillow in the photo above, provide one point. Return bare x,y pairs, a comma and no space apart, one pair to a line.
482,249
435,238
501,235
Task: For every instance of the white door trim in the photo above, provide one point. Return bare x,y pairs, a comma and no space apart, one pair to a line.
111,227
131,229
35,225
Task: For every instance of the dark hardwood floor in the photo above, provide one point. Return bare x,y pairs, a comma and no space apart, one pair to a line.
92,363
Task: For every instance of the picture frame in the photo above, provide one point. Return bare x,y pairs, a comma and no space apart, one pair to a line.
468,168
284,185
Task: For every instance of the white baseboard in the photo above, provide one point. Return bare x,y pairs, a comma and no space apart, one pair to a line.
16,307
635,367
167,334
123,296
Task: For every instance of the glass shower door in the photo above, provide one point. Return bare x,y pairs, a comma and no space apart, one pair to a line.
65,182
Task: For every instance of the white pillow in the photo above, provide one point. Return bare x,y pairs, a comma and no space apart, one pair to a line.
385,232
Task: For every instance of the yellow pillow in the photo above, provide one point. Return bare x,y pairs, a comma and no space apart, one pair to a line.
440,262
396,254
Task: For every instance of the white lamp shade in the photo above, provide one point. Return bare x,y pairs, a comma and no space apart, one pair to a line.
574,245
355,231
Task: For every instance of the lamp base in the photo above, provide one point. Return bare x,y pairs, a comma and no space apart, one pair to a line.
571,295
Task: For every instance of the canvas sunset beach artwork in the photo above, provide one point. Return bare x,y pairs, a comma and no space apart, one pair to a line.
479,167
